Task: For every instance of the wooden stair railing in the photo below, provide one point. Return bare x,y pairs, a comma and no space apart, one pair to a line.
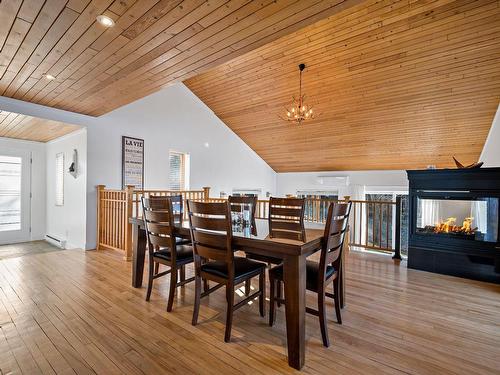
116,207
374,225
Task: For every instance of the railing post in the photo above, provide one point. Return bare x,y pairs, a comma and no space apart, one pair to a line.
345,256
397,239
100,188
129,194
206,193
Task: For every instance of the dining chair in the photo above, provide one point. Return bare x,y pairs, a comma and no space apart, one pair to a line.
177,207
211,234
320,275
178,210
238,205
158,217
286,218
178,215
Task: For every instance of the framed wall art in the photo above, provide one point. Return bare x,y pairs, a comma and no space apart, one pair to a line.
133,162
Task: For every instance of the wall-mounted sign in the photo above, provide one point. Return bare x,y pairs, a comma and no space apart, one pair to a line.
132,162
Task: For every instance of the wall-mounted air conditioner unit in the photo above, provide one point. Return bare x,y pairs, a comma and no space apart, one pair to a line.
244,191
333,180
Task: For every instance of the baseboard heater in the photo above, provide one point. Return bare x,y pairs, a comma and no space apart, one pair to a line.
55,241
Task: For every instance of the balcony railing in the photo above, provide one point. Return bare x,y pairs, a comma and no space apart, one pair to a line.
374,225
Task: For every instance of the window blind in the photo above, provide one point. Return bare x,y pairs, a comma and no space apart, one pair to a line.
176,176
60,179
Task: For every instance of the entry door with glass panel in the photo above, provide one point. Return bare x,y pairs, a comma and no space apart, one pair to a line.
14,196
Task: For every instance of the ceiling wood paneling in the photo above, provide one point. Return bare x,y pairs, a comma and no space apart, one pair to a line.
154,43
397,85
14,125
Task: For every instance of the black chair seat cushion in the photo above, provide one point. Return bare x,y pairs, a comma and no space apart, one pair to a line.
312,269
184,254
182,241
243,268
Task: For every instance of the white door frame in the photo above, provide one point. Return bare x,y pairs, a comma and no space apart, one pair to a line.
24,234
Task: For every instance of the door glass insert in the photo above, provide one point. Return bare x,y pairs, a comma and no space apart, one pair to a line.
10,193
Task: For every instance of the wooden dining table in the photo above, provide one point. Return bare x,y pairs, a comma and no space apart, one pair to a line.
293,253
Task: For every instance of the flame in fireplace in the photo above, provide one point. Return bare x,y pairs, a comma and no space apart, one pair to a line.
448,226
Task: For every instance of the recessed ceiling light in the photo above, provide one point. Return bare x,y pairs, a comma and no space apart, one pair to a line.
105,21
50,77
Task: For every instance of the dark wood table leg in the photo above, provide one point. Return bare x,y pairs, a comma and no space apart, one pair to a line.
294,275
182,273
138,253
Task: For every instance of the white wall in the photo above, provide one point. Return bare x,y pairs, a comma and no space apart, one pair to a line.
171,119
68,222
37,150
491,151
359,182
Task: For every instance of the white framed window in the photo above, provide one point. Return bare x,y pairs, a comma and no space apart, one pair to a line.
178,175
59,179
316,200
318,194
385,218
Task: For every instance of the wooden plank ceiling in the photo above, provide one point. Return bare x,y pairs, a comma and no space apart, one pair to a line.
153,43
397,85
14,125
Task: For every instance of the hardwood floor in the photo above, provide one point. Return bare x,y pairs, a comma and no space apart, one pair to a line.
71,312
26,248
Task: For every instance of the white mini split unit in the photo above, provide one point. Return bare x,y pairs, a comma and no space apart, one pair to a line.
336,181
257,192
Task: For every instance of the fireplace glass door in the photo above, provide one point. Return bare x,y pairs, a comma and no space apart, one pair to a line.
471,219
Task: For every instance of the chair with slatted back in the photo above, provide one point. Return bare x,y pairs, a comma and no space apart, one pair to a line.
178,215
239,204
320,275
211,234
158,217
286,218
177,207
178,210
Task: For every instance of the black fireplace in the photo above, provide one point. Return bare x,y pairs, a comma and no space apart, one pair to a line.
454,222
